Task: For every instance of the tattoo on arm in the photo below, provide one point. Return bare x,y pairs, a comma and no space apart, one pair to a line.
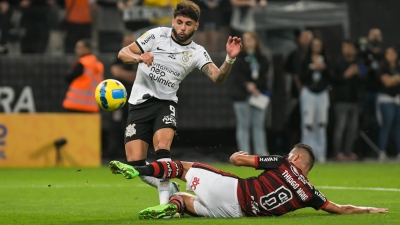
215,74
206,70
224,71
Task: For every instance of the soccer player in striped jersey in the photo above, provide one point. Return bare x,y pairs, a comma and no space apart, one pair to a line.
282,187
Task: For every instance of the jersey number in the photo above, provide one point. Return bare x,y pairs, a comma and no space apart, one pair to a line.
276,198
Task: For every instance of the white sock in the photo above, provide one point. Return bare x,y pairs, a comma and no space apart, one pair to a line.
163,186
152,181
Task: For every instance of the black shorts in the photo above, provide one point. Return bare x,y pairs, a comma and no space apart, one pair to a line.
146,118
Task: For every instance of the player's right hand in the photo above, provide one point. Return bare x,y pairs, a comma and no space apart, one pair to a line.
239,153
146,58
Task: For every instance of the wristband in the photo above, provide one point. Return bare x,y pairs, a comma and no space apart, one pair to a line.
229,59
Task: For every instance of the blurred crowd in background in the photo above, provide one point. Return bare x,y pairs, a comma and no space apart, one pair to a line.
54,26
361,87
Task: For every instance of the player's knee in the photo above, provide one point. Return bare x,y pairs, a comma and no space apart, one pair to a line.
163,145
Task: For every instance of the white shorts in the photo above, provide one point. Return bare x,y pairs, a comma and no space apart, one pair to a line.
216,192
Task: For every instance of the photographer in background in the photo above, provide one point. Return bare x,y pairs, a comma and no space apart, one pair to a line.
371,55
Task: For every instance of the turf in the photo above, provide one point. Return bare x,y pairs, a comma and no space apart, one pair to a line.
95,196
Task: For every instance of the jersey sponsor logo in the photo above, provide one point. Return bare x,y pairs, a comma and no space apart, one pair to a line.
172,55
158,72
268,159
164,69
161,80
185,58
130,130
164,35
276,198
158,48
169,119
195,182
207,56
147,39
191,47
319,194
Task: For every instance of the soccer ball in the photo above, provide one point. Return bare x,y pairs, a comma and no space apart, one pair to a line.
110,95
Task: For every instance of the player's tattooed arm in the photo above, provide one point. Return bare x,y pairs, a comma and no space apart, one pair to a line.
217,75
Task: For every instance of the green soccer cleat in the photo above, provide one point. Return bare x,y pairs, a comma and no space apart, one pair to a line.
159,212
127,171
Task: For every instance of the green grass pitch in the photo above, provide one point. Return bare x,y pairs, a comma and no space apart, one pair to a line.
95,196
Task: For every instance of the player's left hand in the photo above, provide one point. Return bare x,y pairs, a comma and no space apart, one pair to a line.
377,210
233,46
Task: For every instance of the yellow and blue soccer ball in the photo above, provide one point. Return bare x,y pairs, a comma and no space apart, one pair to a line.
110,95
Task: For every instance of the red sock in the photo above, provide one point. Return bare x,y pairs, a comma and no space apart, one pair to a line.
167,169
178,201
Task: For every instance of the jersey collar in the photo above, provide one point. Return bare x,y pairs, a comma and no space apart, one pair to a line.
180,43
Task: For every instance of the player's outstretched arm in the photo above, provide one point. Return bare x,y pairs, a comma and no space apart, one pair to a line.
133,54
351,209
258,162
243,159
219,75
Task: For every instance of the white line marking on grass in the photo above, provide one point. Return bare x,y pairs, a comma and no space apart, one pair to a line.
358,188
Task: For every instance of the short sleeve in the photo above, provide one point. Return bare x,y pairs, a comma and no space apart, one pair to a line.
268,162
318,200
203,58
147,40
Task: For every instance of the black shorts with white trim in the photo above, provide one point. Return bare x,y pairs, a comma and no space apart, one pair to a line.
148,117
